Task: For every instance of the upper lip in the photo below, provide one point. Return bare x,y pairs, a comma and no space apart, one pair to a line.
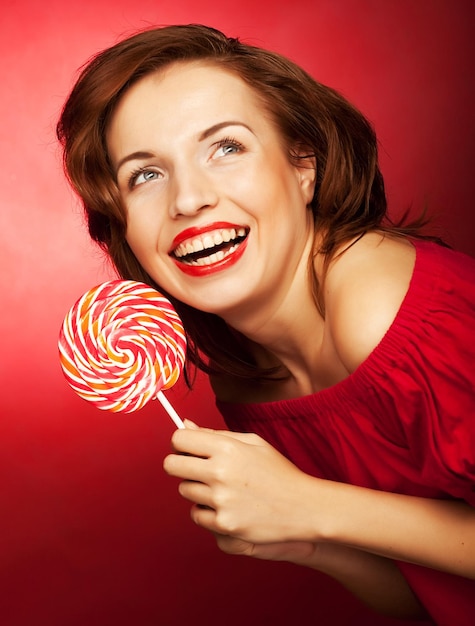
197,238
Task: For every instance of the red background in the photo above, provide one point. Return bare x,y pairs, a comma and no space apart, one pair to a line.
91,530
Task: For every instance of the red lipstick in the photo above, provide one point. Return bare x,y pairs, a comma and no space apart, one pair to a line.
230,258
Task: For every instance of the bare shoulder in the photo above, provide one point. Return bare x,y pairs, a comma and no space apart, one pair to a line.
365,287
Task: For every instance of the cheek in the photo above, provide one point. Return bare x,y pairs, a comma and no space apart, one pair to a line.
142,223
259,190
143,238
139,239
132,234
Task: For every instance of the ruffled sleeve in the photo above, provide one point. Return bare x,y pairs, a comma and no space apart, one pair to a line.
404,421
427,370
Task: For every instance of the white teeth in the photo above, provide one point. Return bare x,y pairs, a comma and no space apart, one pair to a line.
197,245
213,258
209,240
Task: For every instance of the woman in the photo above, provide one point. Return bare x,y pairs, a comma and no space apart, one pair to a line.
339,345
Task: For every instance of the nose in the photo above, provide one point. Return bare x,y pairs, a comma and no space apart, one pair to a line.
192,191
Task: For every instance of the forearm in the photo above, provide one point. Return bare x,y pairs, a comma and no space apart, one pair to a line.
434,533
374,580
246,489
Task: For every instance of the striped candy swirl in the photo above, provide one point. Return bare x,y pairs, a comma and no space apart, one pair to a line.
121,344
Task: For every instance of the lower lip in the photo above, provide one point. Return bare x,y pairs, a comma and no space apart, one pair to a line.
206,270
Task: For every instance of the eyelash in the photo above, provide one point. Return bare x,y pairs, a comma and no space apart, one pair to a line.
135,174
229,141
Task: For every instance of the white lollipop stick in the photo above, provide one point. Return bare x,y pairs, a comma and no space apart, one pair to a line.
170,410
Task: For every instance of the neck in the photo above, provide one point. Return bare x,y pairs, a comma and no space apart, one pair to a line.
287,330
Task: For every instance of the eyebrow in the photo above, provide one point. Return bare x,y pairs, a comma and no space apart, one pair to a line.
134,156
204,135
216,127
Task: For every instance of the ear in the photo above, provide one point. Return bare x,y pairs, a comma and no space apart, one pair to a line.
306,168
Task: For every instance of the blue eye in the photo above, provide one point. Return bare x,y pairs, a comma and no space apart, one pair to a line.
229,149
141,176
229,146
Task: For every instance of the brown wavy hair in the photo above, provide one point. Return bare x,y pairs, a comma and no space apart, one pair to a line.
349,197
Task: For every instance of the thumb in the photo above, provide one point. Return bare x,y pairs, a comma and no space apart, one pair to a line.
191,425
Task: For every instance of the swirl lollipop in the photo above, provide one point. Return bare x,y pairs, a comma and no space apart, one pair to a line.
120,345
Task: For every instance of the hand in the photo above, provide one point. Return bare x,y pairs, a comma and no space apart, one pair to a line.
241,486
299,552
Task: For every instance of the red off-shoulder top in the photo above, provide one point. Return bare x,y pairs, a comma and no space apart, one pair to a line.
404,421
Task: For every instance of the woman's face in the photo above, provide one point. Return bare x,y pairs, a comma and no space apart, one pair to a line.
216,213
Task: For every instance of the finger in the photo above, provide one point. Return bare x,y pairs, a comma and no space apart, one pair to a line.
232,545
201,442
249,438
204,517
196,492
186,467
189,441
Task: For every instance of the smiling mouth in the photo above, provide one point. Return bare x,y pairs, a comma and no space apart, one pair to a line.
211,247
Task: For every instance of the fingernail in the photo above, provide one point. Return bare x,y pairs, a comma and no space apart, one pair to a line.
189,424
